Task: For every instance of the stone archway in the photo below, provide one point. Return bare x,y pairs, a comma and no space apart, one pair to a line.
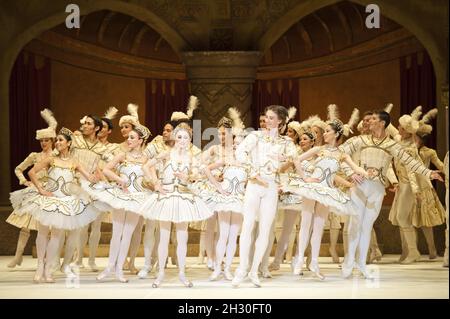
49,15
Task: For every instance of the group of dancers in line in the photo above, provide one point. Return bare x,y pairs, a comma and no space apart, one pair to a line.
81,179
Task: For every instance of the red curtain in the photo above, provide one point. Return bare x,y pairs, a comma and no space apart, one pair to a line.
418,86
29,93
162,97
279,91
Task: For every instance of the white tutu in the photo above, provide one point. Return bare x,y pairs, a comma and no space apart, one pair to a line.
107,197
221,203
175,207
67,212
290,201
337,201
23,220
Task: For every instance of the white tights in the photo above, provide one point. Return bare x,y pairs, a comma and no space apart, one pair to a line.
149,241
210,237
47,249
163,247
316,214
94,239
289,221
262,201
229,225
124,224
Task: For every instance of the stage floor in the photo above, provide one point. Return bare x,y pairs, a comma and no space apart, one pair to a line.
425,279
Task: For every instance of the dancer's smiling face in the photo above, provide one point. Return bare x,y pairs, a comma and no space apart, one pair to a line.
125,129
306,142
182,138
167,132
62,143
46,144
272,120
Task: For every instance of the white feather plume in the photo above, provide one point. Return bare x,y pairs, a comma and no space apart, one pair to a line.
291,113
235,116
193,104
47,115
333,113
417,113
354,118
111,113
133,110
389,107
429,116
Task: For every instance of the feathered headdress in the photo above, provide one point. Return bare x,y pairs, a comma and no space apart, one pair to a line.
333,113
110,113
50,131
424,127
348,128
132,118
315,120
291,113
192,106
238,125
410,122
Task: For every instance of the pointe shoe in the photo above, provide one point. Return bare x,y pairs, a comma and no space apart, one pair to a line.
17,261
210,264
402,257
412,257
215,275
375,255
200,259
239,277
334,255
93,267
228,275
274,266
266,274
120,277
346,271
158,280
253,276
67,270
39,275
187,283
433,255
143,273
364,272
297,267
80,265
48,275
105,273
316,271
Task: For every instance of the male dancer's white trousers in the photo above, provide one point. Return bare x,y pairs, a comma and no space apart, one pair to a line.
262,202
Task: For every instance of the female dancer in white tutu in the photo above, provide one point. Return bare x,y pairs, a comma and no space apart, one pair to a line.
26,222
320,194
55,205
124,199
228,200
264,152
174,201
